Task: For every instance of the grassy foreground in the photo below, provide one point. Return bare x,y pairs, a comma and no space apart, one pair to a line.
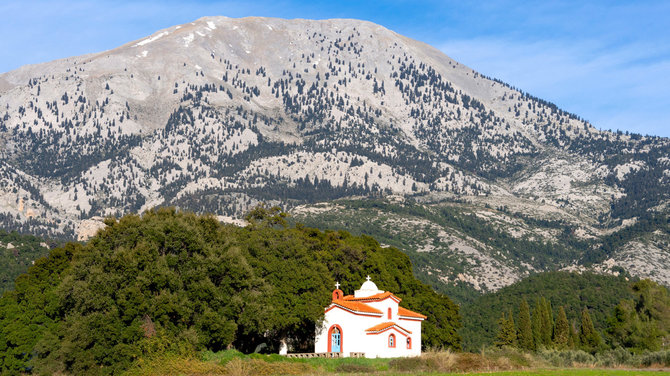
490,362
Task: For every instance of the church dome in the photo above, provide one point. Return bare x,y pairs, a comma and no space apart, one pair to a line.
369,286
367,289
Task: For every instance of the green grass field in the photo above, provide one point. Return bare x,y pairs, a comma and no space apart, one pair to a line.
497,363
568,372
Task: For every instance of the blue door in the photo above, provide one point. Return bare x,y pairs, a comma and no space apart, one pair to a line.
335,340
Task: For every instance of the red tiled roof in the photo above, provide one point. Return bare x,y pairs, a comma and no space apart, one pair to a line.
375,297
407,313
356,306
385,326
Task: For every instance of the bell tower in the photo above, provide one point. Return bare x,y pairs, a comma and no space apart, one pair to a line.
337,293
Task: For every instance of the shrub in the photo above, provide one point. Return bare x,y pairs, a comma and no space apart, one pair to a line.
660,358
566,358
616,357
441,361
506,357
408,364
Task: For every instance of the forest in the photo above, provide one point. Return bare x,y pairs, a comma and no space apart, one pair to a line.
638,323
171,281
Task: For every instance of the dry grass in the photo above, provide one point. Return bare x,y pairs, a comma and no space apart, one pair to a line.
506,361
447,361
172,365
235,367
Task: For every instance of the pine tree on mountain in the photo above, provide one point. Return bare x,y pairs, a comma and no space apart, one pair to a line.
562,330
525,335
589,338
506,335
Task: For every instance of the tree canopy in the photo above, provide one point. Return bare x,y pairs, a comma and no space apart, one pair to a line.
195,284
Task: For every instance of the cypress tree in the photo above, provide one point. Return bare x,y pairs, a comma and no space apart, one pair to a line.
573,340
562,330
588,337
506,335
547,322
537,323
512,327
550,313
525,336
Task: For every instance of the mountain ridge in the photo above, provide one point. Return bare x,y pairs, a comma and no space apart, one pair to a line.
220,114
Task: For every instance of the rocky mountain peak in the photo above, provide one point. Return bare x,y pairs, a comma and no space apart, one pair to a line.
220,114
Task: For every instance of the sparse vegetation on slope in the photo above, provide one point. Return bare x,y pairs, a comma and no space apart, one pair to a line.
217,119
17,253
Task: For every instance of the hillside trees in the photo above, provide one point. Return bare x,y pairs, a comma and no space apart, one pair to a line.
507,335
637,325
17,252
589,338
562,330
642,323
525,334
180,282
570,290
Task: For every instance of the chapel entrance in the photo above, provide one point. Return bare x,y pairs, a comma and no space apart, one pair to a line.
335,340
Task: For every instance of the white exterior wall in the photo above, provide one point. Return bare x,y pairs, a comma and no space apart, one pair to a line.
353,331
355,338
383,306
413,326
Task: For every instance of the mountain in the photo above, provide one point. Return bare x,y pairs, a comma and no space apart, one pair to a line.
220,114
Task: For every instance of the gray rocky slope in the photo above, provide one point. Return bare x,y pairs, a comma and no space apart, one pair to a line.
220,114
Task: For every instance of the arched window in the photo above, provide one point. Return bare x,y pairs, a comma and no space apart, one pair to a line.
390,314
392,340
409,343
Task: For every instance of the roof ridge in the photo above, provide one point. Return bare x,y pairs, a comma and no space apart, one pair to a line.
402,311
356,306
385,326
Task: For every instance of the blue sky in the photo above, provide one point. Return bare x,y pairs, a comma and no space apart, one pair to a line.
607,61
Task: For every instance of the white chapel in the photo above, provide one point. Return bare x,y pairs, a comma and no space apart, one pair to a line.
371,322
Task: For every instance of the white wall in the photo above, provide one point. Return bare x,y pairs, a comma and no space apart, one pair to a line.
355,339
413,326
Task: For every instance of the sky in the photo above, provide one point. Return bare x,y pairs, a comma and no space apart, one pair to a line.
606,61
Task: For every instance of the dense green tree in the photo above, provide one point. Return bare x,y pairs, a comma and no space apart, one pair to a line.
589,339
570,290
642,323
170,281
506,335
537,323
561,330
525,335
573,340
547,322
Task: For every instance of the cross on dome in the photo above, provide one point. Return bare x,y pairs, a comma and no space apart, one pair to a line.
337,285
367,289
